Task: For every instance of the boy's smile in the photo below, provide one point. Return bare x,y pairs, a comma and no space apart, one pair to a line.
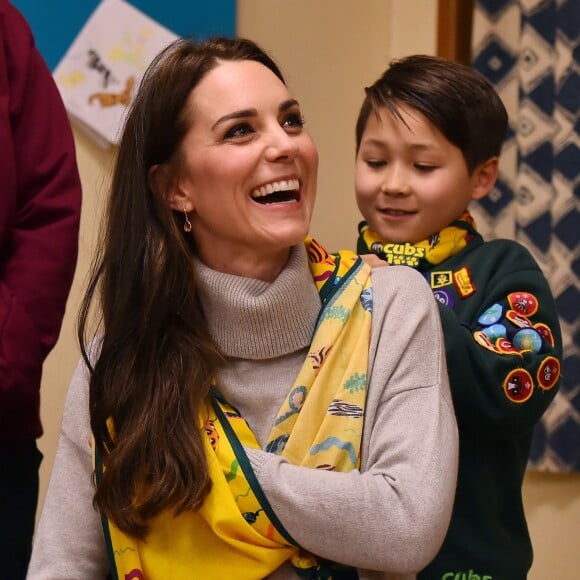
410,181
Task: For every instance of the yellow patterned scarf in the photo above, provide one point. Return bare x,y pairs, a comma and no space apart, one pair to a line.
421,255
236,534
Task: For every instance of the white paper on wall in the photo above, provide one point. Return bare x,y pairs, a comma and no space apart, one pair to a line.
98,75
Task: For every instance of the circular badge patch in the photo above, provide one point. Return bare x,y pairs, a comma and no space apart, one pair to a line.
491,315
445,297
483,340
527,339
518,319
518,386
549,373
495,331
546,332
506,347
523,302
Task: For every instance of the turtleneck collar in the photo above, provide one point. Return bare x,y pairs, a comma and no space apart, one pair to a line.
253,319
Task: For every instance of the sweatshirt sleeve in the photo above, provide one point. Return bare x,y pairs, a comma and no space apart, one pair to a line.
504,357
68,542
40,196
392,515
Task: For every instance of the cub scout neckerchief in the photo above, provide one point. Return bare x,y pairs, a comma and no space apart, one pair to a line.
235,533
424,254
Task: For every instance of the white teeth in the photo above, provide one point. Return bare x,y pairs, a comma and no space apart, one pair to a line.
285,185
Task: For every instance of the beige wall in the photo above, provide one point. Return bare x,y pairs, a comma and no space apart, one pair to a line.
329,50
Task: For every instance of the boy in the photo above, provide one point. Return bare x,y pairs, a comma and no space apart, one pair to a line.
428,138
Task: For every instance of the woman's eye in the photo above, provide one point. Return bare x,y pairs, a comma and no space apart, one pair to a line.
294,120
239,130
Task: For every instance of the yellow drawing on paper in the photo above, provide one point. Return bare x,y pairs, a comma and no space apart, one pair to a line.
112,99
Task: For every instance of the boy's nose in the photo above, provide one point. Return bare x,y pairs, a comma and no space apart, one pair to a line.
394,182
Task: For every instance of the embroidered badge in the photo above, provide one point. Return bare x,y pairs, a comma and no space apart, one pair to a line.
518,386
463,282
440,279
518,319
546,332
527,339
523,302
548,373
492,315
506,347
495,331
445,297
483,340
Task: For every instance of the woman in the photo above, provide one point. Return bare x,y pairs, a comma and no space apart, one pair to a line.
235,363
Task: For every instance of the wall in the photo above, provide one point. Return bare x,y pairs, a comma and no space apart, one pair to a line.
329,50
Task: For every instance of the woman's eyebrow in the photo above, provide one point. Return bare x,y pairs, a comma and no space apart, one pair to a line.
288,105
244,113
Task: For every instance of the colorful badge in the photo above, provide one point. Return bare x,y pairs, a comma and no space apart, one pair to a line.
546,332
518,386
506,347
527,339
440,279
483,340
445,297
548,373
518,319
491,315
463,282
495,331
523,302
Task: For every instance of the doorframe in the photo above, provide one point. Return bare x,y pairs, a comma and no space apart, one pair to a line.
454,22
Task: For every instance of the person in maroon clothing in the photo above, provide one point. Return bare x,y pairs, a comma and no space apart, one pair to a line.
40,197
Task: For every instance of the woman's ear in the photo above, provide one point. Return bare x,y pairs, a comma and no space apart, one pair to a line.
484,177
162,181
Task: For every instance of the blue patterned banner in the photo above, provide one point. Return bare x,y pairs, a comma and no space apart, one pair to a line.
529,50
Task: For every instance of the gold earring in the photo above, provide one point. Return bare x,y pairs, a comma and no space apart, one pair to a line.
187,223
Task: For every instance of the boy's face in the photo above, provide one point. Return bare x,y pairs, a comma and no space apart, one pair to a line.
410,181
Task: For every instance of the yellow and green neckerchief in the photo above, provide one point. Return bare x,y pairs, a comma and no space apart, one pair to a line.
235,533
421,255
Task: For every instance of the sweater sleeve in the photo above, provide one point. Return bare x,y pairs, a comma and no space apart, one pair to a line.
392,515
68,542
504,358
40,197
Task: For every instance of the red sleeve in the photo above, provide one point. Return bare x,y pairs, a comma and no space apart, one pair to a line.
40,196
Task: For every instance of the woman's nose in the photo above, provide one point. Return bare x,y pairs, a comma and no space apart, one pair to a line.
281,145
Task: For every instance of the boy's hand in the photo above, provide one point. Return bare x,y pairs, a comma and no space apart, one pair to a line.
373,260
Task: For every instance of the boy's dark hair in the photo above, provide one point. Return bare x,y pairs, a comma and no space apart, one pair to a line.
455,98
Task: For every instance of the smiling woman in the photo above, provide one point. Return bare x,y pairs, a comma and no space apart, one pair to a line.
234,405
246,146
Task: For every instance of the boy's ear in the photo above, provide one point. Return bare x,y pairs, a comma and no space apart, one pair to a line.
484,177
163,182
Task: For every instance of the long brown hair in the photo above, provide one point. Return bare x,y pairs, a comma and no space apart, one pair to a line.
152,362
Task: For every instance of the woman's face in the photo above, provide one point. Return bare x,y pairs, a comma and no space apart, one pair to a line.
248,171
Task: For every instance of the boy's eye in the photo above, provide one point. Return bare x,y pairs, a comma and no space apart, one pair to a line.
239,130
424,168
294,120
375,163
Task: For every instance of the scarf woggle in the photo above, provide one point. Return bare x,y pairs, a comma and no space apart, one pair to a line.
235,533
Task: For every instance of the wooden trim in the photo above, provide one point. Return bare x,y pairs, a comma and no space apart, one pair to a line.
454,22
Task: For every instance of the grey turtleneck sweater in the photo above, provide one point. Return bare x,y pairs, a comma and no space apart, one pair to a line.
389,517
